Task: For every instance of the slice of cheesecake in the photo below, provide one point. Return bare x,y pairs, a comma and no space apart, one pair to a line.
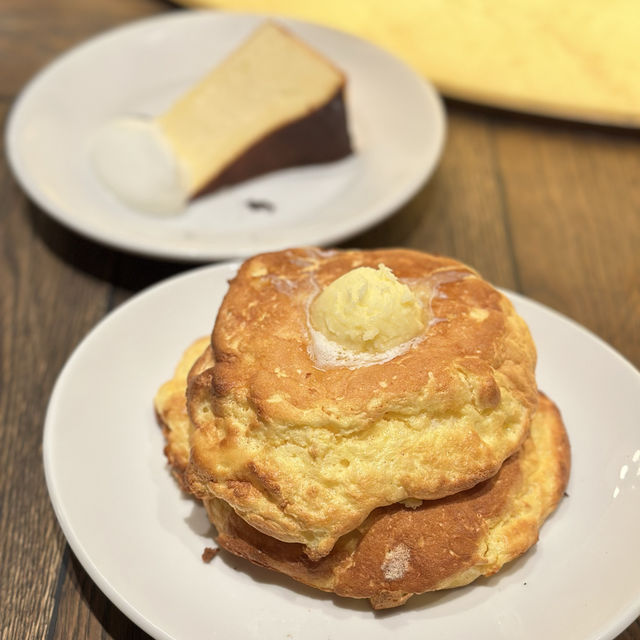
272,103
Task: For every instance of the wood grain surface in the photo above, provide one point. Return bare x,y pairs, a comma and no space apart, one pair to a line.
547,208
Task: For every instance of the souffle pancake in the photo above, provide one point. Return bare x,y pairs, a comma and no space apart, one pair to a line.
409,547
338,382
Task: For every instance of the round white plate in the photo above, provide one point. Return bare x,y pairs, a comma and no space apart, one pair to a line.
141,540
396,119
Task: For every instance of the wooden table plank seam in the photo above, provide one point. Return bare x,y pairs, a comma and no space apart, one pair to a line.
505,214
57,599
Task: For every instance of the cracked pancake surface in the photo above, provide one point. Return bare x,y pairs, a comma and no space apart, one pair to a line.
304,442
400,550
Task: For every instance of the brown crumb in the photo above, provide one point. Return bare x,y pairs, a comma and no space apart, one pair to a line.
209,554
261,205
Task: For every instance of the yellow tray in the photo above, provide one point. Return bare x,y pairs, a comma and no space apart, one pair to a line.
578,59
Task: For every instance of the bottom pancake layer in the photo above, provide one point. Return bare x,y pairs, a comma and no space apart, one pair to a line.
402,550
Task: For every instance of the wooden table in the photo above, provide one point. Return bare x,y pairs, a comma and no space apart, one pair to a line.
547,208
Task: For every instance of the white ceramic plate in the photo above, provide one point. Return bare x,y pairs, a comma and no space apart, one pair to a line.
141,540
396,118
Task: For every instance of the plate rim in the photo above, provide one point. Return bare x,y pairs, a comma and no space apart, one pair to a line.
48,459
420,176
225,270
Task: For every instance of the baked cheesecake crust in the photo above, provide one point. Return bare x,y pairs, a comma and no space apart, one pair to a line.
319,137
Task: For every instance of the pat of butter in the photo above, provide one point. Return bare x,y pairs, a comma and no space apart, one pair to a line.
367,310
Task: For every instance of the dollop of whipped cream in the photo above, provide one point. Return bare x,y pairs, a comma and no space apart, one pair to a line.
365,316
132,158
